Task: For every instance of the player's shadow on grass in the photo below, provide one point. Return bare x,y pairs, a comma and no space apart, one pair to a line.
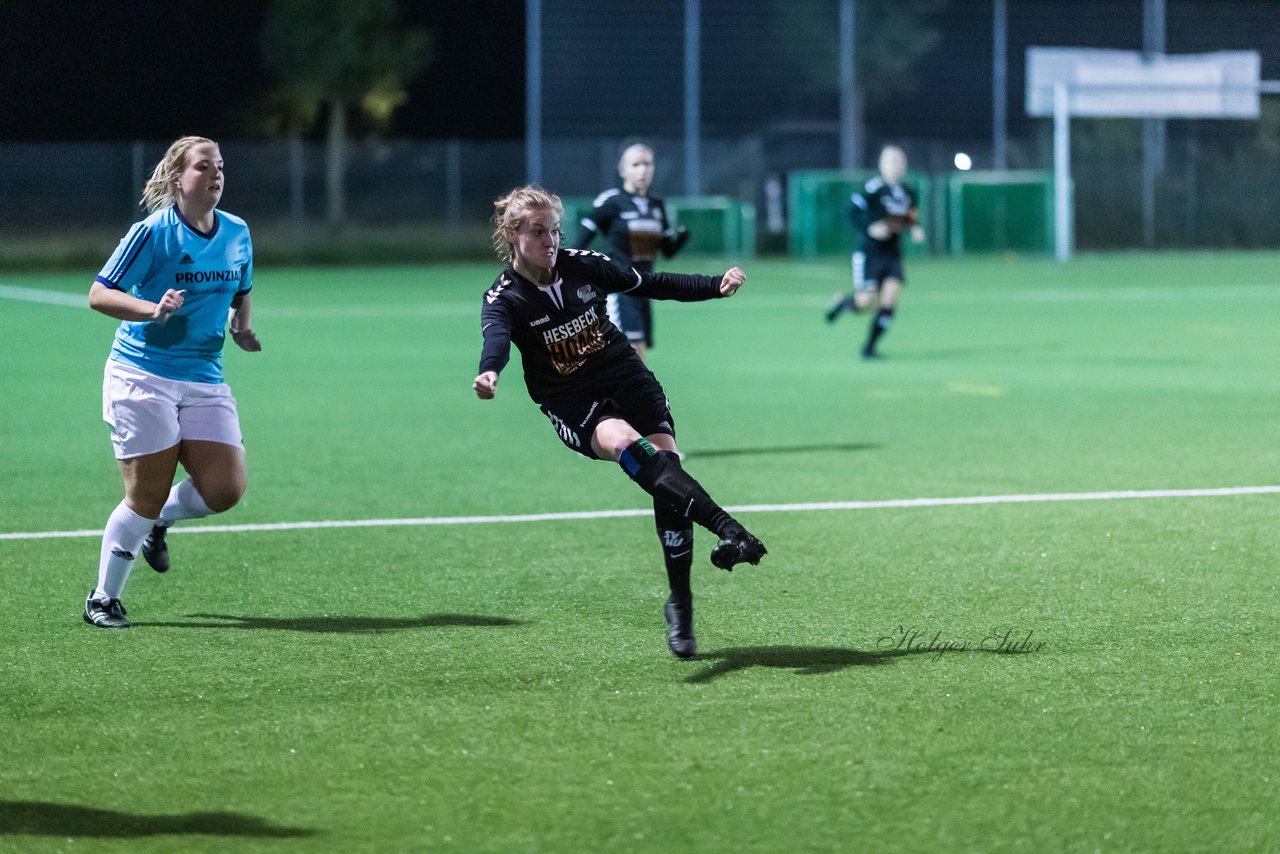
804,660
810,660
335,625
38,818
782,449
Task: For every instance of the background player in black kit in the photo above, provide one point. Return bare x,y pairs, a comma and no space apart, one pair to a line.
636,226
882,210
602,400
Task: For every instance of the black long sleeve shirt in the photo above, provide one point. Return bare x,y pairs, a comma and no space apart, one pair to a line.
636,227
562,330
894,203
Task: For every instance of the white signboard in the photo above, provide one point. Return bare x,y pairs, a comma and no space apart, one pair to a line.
1127,84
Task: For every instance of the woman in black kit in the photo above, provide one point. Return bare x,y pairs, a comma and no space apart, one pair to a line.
584,375
636,227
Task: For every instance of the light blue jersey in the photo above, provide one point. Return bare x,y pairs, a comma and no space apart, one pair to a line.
165,251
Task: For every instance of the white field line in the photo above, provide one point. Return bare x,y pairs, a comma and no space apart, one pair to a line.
744,508
45,296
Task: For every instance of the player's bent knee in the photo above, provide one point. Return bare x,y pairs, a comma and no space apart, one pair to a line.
608,450
222,494
612,437
223,499
662,441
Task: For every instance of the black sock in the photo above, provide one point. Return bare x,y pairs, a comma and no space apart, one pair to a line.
879,325
675,532
660,474
846,304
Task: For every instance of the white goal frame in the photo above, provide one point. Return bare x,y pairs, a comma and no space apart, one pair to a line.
1066,82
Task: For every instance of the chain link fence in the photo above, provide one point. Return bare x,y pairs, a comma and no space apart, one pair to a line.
1216,189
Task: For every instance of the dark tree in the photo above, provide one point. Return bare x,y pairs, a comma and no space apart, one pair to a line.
335,57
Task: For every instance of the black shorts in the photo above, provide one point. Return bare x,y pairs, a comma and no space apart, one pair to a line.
870,269
637,398
634,316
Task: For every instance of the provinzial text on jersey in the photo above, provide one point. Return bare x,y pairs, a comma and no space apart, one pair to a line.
202,276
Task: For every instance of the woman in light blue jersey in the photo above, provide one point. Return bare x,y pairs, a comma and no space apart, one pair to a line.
179,279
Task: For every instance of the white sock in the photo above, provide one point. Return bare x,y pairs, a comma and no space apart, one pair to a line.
121,540
184,502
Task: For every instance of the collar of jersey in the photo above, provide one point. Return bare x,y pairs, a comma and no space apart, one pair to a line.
207,235
517,277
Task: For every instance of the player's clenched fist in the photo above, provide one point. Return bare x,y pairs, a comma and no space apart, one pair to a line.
733,279
485,385
169,303
247,340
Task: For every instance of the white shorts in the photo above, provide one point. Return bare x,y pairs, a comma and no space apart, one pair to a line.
149,414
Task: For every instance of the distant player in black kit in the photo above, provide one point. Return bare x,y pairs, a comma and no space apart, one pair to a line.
882,210
636,226
599,396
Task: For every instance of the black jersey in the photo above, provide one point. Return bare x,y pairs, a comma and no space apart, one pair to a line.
636,227
879,200
562,330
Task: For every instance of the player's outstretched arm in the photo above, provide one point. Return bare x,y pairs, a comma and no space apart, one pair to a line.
486,385
733,279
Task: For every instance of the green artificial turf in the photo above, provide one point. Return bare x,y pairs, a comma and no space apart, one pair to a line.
506,686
